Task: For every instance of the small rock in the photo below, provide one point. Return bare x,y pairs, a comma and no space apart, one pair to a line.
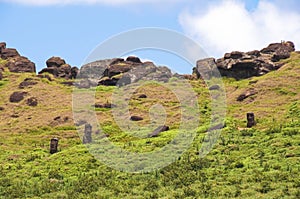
214,87
32,101
246,94
159,130
1,109
27,83
143,96
136,118
106,105
17,97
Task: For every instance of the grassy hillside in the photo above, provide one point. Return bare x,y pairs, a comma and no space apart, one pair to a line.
260,162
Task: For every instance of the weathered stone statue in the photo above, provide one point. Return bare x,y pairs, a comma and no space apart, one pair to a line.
87,137
54,145
250,120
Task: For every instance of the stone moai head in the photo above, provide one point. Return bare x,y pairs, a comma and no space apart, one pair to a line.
87,137
250,120
54,145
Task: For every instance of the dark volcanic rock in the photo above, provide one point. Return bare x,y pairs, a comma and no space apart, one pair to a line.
234,55
136,118
2,46
106,105
7,53
45,76
55,62
17,97
27,83
241,65
59,69
288,46
20,65
143,96
133,59
158,130
51,70
74,72
117,72
246,94
214,87
204,68
32,101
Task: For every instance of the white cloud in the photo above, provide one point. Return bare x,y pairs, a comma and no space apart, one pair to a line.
228,26
88,2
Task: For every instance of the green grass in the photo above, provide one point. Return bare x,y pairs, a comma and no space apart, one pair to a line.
260,162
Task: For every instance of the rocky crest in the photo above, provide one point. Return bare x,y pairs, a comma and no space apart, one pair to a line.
59,68
112,72
14,61
241,65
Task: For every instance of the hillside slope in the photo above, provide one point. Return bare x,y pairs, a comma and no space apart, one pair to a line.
260,162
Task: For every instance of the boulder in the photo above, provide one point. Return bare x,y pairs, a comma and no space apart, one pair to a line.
283,46
55,62
136,118
2,46
205,68
59,69
240,65
74,72
158,130
133,59
142,96
117,72
64,71
32,101
234,55
51,70
21,64
246,94
116,69
28,82
214,87
7,53
106,105
17,97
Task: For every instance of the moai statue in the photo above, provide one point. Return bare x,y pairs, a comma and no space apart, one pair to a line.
53,145
250,120
87,137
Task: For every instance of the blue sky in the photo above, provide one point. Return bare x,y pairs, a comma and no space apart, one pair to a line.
72,29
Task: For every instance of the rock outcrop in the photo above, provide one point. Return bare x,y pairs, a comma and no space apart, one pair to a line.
118,72
17,97
241,65
59,68
14,61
